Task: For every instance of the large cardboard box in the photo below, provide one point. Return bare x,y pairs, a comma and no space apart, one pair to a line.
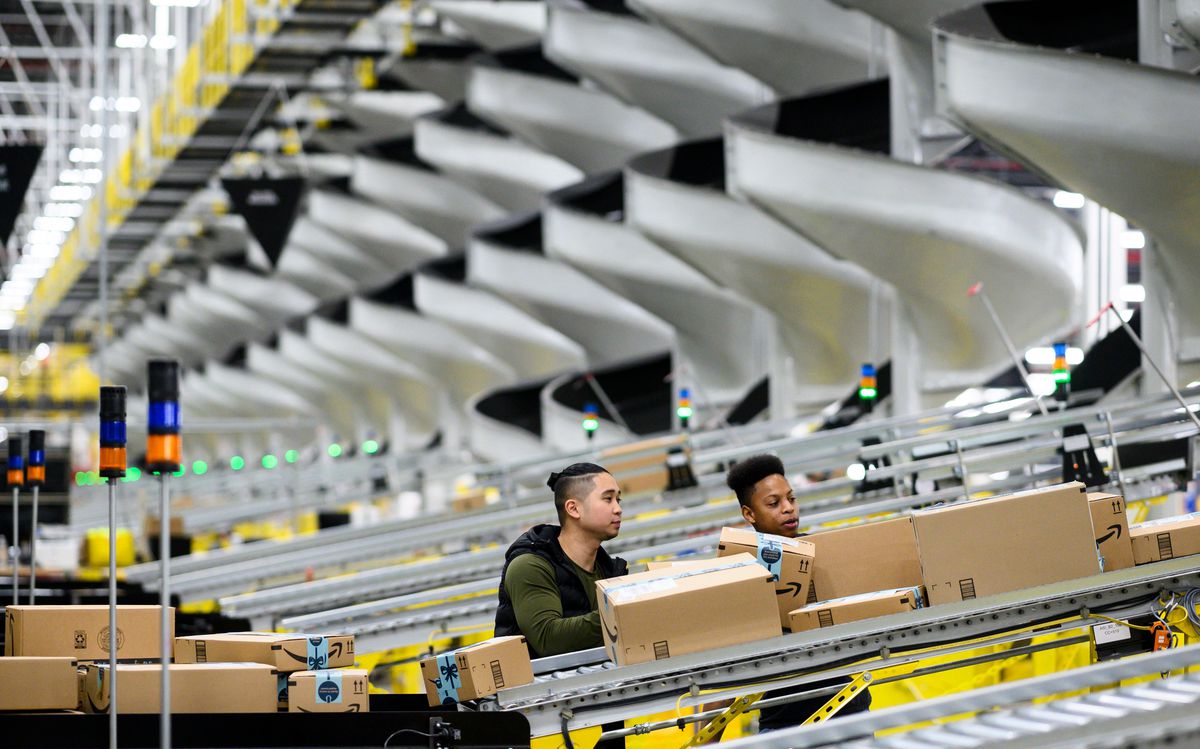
789,560
286,652
195,688
857,607
1167,538
660,613
864,558
477,670
82,631
328,691
1111,526
31,683
995,545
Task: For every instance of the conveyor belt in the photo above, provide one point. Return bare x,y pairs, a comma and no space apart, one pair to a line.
628,692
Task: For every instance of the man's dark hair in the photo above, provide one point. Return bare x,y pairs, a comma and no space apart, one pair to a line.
576,480
744,474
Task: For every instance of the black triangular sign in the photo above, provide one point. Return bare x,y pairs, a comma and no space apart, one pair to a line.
17,164
269,206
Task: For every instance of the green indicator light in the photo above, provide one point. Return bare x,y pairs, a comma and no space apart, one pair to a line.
590,425
237,462
133,473
335,450
269,461
80,478
1062,376
370,447
291,456
867,393
684,412
181,472
199,467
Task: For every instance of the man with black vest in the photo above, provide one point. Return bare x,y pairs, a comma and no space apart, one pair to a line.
548,586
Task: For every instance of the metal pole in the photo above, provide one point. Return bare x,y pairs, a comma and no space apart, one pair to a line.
101,39
16,544
1138,342
1116,456
112,614
33,548
164,550
608,404
977,290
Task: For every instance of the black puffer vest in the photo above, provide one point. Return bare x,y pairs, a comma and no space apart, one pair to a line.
543,541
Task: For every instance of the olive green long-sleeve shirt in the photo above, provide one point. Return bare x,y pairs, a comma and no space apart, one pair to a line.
531,585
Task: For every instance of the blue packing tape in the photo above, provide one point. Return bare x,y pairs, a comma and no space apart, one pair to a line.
770,555
448,680
329,687
318,652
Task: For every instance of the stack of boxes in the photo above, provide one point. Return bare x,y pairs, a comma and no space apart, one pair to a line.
56,658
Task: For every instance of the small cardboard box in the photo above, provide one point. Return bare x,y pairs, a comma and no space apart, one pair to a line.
995,545
646,481
328,691
285,651
789,560
195,688
470,501
82,631
857,607
864,558
477,670
1167,538
1111,526
31,683
656,614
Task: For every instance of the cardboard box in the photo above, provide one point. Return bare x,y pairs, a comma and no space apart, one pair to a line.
857,607
995,545
285,651
195,688
477,670
863,559
646,481
657,614
470,501
31,683
789,560
1167,538
328,691
1110,523
82,631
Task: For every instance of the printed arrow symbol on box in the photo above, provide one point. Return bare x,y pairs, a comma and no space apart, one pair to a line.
612,633
796,588
1112,529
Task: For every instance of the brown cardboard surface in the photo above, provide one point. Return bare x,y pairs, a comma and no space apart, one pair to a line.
795,568
195,688
648,480
477,670
31,683
328,691
660,613
286,651
82,631
472,500
857,607
1111,526
864,558
1168,538
1015,541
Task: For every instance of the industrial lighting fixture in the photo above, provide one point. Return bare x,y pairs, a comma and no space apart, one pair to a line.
46,236
128,104
69,210
1133,292
1044,356
291,456
7,321
1132,239
70,192
269,461
1064,199
163,41
237,462
53,223
49,251
370,447
335,450
178,3
79,155
130,41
